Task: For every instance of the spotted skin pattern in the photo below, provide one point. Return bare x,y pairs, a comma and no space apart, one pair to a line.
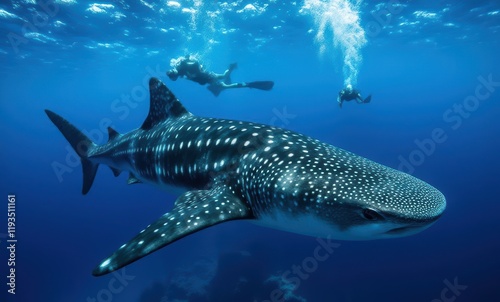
239,170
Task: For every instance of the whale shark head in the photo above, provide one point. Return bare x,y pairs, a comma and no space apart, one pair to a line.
347,197
393,204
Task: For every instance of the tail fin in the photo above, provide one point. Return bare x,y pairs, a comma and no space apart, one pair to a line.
81,144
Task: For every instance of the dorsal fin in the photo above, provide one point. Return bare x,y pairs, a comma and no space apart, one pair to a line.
112,134
163,105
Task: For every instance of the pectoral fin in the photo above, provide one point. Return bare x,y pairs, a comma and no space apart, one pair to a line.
192,212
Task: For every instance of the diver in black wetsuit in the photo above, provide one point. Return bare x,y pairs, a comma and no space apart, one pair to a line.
348,94
190,68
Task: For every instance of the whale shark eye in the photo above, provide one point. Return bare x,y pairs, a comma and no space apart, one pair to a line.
371,215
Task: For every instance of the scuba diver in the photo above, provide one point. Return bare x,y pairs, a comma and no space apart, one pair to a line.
349,94
190,68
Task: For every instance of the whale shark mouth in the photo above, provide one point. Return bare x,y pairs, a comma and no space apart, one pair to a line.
405,229
410,229
413,226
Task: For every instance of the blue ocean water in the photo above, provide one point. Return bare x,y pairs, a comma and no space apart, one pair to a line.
433,71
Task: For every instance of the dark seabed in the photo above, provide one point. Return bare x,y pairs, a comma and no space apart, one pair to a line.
429,66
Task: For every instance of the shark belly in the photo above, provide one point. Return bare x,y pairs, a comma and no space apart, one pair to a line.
306,224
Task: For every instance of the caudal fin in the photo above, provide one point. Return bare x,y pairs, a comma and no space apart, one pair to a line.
81,144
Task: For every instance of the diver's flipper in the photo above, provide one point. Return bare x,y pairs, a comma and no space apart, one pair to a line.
215,89
262,85
192,212
368,99
227,78
232,66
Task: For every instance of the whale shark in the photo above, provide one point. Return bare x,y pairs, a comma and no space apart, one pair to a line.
234,170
